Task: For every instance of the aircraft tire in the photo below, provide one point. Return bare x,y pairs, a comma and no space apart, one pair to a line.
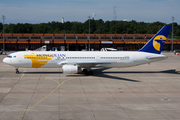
90,72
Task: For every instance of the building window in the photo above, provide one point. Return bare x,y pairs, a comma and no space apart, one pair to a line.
116,37
82,37
94,37
139,37
148,37
47,37
12,37
105,38
35,37
70,37
59,37
23,37
128,37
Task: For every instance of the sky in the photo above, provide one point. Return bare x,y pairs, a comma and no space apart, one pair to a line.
43,11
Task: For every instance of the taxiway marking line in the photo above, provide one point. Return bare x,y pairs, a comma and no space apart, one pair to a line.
59,84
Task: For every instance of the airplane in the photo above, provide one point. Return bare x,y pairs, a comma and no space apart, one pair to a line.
73,61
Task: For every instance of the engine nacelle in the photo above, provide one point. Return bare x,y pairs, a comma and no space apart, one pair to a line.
71,69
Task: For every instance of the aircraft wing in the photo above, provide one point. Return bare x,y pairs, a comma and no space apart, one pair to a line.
92,64
86,64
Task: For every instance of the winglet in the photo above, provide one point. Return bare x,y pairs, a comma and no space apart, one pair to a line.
156,44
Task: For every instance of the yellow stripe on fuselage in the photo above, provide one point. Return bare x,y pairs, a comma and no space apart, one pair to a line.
38,61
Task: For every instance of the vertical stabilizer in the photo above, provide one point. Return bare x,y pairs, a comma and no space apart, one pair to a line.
156,44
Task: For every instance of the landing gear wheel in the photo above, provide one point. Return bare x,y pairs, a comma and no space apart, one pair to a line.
90,72
86,72
17,71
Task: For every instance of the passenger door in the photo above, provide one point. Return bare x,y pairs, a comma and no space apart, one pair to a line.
20,58
135,58
97,58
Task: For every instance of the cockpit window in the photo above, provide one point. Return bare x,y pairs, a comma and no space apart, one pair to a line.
9,56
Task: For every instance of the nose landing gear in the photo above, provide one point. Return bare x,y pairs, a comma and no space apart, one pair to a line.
17,71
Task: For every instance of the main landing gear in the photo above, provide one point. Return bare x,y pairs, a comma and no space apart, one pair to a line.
88,72
17,71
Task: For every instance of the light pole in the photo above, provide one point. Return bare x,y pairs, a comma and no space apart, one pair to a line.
177,34
172,33
3,17
89,31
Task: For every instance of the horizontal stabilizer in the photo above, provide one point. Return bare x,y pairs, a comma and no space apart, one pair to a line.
156,57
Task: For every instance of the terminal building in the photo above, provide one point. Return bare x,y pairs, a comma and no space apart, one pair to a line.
79,42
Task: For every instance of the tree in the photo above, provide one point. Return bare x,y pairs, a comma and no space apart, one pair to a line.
96,27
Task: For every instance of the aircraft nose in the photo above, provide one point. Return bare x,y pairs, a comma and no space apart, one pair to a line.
5,60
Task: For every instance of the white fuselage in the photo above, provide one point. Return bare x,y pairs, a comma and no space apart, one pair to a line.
84,59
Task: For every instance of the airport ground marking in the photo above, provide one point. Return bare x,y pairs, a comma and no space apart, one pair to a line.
59,84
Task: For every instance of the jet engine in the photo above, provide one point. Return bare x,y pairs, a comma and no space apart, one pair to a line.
71,69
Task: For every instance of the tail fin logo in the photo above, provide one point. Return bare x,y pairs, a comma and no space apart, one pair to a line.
158,42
